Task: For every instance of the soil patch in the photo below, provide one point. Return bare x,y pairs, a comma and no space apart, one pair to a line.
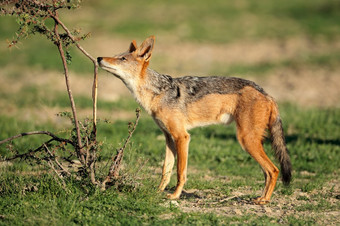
238,203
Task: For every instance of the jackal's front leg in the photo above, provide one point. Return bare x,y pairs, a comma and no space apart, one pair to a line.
182,146
170,154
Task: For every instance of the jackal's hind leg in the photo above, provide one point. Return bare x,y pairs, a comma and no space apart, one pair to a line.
253,145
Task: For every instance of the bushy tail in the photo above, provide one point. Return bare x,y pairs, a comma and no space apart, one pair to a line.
279,146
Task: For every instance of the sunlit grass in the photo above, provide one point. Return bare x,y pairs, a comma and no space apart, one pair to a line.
216,163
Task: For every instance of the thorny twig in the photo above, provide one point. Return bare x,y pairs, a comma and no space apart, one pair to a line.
90,157
79,149
95,73
50,163
115,166
28,154
63,169
56,138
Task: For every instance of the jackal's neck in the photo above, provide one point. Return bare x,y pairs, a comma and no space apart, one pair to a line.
147,92
158,82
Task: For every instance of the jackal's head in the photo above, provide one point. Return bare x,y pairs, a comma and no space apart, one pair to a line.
131,65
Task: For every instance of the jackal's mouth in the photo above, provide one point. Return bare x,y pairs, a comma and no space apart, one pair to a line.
107,68
104,64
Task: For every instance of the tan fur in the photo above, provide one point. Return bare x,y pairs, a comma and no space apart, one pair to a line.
210,109
179,104
251,124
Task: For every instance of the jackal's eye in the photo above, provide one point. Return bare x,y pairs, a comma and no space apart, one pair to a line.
123,59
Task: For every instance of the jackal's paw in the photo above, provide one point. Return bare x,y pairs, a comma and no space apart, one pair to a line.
161,188
260,201
172,196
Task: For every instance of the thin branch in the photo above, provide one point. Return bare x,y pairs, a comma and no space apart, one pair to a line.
56,160
73,106
28,154
95,73
93,173
115,166
120,153
50,164
35,133
142,166
132,130
72,38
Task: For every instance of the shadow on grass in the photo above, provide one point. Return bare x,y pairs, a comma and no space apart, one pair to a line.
294,138
289,138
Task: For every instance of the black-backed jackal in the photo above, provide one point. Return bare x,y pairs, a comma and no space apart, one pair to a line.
179,104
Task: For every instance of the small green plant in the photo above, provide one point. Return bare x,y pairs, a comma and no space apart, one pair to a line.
310,187
302,197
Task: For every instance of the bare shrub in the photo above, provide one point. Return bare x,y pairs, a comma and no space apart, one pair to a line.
77,155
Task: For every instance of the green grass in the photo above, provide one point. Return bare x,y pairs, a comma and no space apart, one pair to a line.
33,196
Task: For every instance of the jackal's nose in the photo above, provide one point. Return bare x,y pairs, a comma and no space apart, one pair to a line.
99,59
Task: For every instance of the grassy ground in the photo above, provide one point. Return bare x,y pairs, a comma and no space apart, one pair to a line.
222,179
291,48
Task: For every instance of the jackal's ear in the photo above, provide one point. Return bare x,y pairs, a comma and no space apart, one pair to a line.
146,48
133,46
